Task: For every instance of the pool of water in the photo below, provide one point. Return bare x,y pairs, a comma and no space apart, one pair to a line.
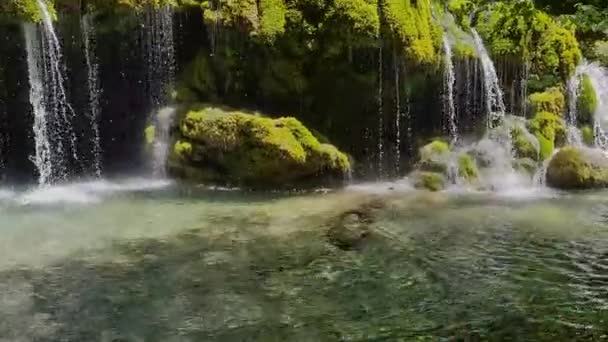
148,260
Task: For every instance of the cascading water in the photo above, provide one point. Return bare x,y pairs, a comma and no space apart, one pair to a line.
380,142
397,112
53,115
495,104
159,50
88,34
450,80
162,139
598,76
574,134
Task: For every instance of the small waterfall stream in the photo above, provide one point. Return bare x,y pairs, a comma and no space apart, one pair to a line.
495,104
598,76
158,47
450,80
55,139
397,112
88,34
162,140
380,142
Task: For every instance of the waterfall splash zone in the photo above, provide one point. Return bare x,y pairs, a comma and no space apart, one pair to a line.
598,76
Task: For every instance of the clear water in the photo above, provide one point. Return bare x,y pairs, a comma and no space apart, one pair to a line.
147,260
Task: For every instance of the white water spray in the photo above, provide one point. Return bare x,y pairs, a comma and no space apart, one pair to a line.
495,104
88,33
450,80
162,139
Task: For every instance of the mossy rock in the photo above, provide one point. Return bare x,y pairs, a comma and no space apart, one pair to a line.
551,100
432,181
434,156
467,168
550,130
578,168
588,135
150,134
525,145
587,101
230,147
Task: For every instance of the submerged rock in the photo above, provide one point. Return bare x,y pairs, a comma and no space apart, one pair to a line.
578,168
352,227
230,147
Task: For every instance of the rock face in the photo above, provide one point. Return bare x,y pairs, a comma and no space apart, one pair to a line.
578,168
234,148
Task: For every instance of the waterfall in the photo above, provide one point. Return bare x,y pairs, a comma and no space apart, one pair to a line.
88,34
523,88
450,80
159,54
162,139
397,112
380,147
495,104
574,134
598,76
53,115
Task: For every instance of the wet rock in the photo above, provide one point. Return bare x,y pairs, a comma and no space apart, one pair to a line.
352,227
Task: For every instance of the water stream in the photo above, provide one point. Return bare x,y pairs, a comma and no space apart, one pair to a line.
450,80
88,35
494,96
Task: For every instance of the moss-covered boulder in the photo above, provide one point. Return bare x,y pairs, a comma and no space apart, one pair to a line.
235,148
434,156
587,101
550,130
578,168
432,181
551,100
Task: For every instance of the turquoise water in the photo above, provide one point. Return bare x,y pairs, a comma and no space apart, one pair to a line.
145,260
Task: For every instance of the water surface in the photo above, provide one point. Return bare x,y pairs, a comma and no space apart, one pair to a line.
147,260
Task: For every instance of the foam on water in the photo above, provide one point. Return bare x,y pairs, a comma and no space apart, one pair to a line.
402,185
86,192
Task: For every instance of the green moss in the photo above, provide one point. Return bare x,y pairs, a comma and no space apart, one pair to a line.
467,168
517,29
246,149
523,147
412,24
551,100
433,156
183,149
588,135
550,131
432,181
578,168
526,165
464,51
26,10
587,101
150,134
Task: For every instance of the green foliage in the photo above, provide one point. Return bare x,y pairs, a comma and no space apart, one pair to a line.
461,9
587,101
272,18
550,130
412,24
551,100
26,10
519,30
